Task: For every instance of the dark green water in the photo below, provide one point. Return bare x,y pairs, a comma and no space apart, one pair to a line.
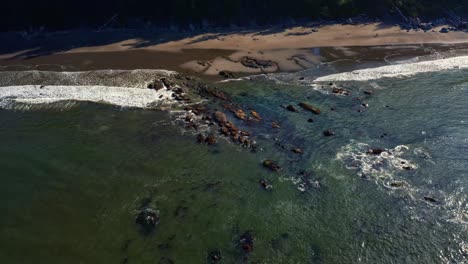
73,180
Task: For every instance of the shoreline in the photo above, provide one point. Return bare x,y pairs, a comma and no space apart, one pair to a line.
137,88
218,55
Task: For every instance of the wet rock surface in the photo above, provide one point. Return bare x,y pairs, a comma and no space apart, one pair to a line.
271,165
297,150
255,115
340,91
265,184
310,107
155,85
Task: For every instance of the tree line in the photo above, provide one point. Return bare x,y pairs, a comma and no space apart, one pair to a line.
63,14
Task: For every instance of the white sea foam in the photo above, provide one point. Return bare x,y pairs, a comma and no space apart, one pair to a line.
398,70
120,96
114,78
356,156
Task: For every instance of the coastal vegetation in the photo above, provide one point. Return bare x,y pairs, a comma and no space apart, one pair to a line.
59,14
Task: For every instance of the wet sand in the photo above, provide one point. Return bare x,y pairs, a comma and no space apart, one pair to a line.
205,55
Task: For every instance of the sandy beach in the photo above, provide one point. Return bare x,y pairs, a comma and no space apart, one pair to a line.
242,53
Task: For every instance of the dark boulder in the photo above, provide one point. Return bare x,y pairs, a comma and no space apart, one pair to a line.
155,85
429,199
214,256
328,133
226,74
375,151
167,83
147,218
444,30
291,108
246,242
200,138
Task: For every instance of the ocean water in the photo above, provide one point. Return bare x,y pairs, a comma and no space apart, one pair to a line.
75,175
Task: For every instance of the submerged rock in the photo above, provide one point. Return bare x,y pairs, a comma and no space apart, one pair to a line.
328,133
271,165
200,138
246,242
210,139
310,107
220,117
214,256
340,91
265,184
147,219
397,184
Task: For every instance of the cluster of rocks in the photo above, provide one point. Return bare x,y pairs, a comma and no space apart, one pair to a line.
415,23
226,74
230,130
200,115
179,92
210,139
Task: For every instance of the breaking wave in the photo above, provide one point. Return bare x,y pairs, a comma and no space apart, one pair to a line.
398,70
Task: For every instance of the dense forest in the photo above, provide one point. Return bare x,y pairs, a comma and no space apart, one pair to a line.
60,14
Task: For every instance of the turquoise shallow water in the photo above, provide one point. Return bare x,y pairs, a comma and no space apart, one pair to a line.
73,180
